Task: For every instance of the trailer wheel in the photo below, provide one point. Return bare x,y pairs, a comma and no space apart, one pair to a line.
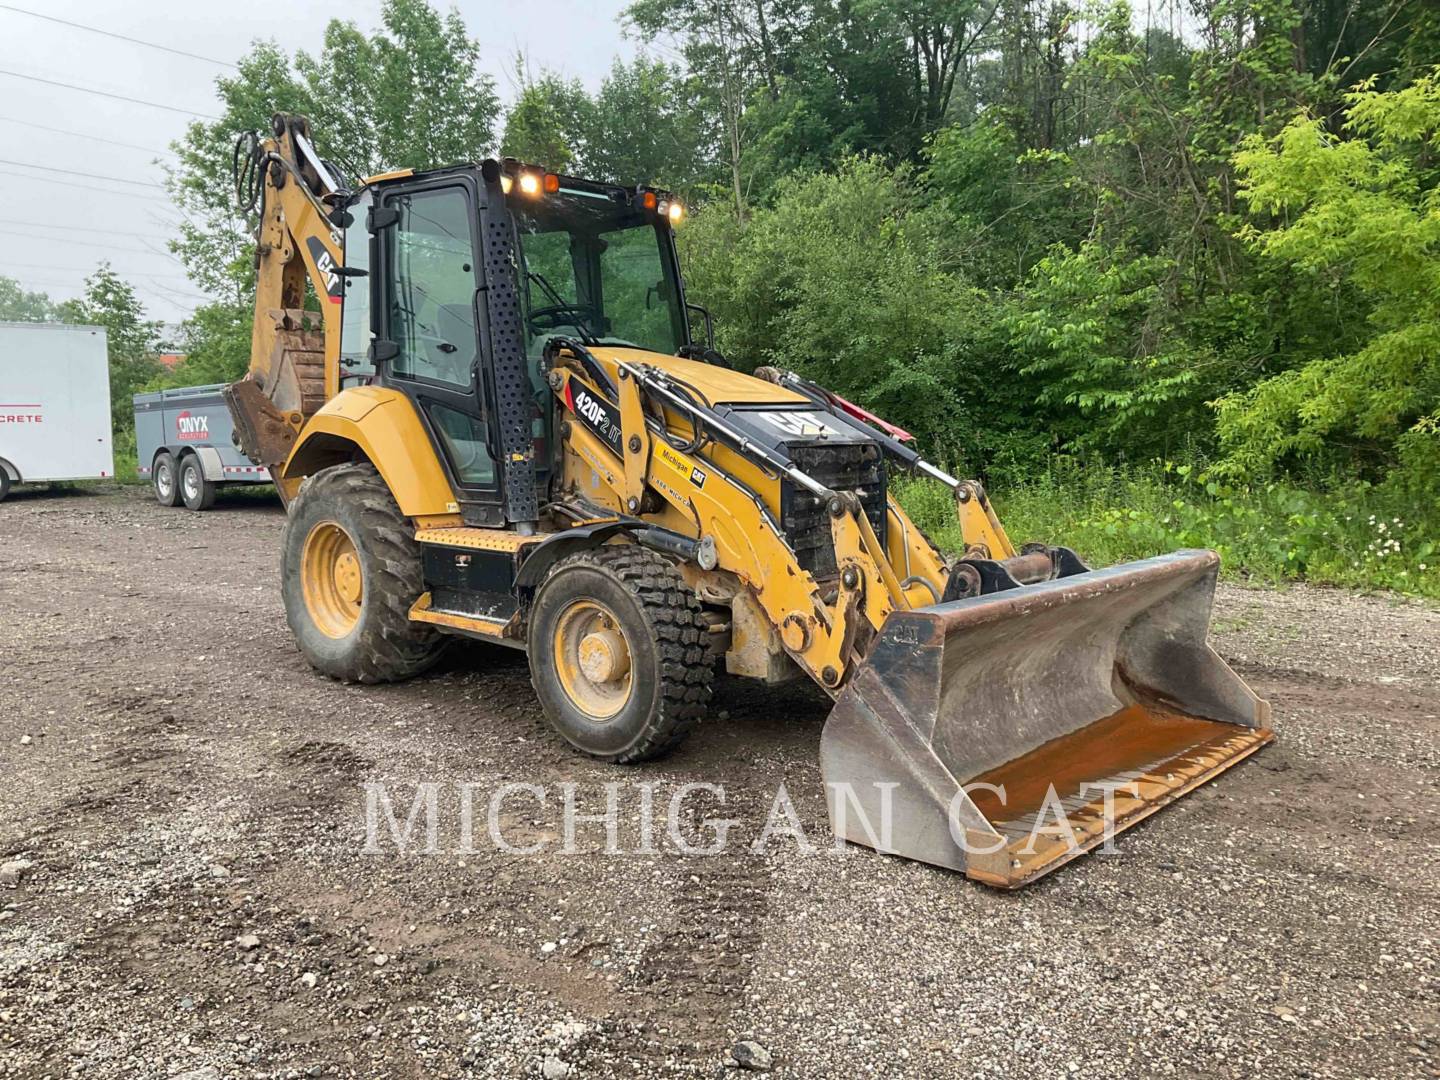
351,573
4,483
197,492
617,655
164,480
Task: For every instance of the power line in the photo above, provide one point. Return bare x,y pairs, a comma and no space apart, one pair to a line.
77,172
6,263
88,244
82,187
75,228
108,94
151,291
121,37
155,283
81,135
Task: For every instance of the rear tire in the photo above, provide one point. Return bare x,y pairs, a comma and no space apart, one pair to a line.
617,655
165,480
351,573
5,483
197,492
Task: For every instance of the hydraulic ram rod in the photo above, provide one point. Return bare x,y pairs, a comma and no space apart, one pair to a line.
659,387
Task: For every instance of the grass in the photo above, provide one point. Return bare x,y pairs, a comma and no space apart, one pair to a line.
1356,537
126,466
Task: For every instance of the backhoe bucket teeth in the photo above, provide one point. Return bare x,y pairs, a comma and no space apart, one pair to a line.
1005,734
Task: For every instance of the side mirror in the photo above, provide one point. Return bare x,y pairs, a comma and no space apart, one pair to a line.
380,218
709,323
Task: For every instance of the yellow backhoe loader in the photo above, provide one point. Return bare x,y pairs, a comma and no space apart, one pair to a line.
499,425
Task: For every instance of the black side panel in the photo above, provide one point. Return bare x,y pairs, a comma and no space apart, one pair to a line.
514,404
465,581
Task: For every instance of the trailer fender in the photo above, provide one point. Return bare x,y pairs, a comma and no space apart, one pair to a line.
211,464
10,471
380,425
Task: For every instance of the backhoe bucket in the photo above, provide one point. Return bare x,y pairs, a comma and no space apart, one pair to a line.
1005,734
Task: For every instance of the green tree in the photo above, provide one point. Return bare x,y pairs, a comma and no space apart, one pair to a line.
847,279
549,122
216,343
727,49
646,126
1359,215
409,95
131,339
18,304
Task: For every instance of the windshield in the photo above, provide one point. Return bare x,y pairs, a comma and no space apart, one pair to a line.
595,269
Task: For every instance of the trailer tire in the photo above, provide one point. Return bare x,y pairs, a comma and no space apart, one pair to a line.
4,483
197,492
165,480
351,573
617,654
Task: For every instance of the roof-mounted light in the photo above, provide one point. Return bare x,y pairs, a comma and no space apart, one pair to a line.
527,180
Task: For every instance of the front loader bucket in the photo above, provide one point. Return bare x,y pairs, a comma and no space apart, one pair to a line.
1005,734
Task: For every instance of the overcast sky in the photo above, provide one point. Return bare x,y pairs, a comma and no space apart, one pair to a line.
50,234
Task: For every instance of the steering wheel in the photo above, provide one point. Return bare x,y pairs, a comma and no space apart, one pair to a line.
557,315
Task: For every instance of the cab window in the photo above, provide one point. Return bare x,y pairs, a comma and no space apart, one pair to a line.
432,294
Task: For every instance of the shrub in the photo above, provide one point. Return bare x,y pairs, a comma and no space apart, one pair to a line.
1358,536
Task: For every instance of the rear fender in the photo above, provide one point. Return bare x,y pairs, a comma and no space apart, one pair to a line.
382,426
211,464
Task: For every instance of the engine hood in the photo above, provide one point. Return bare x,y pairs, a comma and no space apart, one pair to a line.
719,385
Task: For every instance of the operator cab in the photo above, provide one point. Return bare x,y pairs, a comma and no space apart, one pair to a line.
468,274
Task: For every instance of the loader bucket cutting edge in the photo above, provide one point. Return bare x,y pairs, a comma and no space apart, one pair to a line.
1051,693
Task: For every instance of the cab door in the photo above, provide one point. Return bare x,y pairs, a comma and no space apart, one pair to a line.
428,328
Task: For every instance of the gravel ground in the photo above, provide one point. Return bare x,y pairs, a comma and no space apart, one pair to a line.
191,800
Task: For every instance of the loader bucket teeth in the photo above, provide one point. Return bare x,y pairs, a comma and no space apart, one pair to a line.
1043,693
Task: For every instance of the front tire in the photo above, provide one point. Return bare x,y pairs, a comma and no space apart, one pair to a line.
352,571
166,482
196,492
617,655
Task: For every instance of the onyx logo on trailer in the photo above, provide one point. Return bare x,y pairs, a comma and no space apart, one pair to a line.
191,427
325,263
595,414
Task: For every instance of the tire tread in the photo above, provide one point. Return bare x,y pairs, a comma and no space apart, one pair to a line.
393,647
672,610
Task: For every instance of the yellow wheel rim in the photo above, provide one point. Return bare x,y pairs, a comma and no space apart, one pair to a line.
592,658
332,580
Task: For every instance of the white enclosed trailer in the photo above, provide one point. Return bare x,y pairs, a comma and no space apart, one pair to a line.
54,404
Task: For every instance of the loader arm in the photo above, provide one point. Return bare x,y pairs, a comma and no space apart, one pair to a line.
975,699
294,353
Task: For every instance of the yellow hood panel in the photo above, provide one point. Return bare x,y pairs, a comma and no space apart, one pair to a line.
716,383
